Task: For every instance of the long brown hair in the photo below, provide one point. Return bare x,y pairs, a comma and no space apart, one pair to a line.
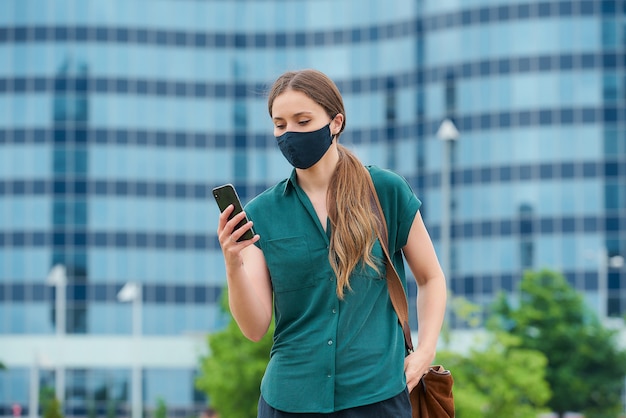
348,199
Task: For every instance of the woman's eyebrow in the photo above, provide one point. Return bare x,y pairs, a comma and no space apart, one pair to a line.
295,115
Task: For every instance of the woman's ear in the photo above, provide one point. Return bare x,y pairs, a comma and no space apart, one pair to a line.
336,124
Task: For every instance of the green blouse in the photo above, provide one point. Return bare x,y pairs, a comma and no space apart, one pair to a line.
330,354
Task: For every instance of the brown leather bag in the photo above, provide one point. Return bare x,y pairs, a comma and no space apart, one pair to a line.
432,397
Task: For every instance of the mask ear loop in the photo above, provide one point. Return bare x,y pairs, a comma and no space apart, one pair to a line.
340,128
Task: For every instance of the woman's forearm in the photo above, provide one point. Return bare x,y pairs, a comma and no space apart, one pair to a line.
431,309
250,296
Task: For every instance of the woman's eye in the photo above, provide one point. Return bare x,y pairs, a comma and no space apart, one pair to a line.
303,122
279,126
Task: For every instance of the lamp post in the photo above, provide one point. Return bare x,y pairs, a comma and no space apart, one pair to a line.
58,278
447,133
33,402
131,292
39,361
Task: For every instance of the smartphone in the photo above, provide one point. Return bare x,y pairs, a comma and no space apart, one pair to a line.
227,195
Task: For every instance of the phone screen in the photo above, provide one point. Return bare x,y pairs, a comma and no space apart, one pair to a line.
227,195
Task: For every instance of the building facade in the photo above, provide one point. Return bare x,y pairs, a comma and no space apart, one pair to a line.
537,92
117,119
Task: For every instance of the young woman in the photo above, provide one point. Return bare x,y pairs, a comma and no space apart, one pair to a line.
317,266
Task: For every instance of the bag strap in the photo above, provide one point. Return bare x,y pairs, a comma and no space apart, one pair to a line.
394,284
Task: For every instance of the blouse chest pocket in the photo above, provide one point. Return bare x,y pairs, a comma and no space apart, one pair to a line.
292,264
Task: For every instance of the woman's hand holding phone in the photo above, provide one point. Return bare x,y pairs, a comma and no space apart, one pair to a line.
234,230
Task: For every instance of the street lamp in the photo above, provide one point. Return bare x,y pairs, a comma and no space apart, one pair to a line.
131,292
58,278
39,361
448,133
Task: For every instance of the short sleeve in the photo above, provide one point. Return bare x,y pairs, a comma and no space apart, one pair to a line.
399,203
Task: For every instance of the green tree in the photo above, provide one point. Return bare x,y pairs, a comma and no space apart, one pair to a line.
499,380
497,377
91,409
231,373
111,405
2,367
586,368
47,395
52,409
161,409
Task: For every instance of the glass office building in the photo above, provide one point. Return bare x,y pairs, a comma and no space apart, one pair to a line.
118,117
538,172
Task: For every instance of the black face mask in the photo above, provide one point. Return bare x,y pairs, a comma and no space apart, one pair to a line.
304,149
